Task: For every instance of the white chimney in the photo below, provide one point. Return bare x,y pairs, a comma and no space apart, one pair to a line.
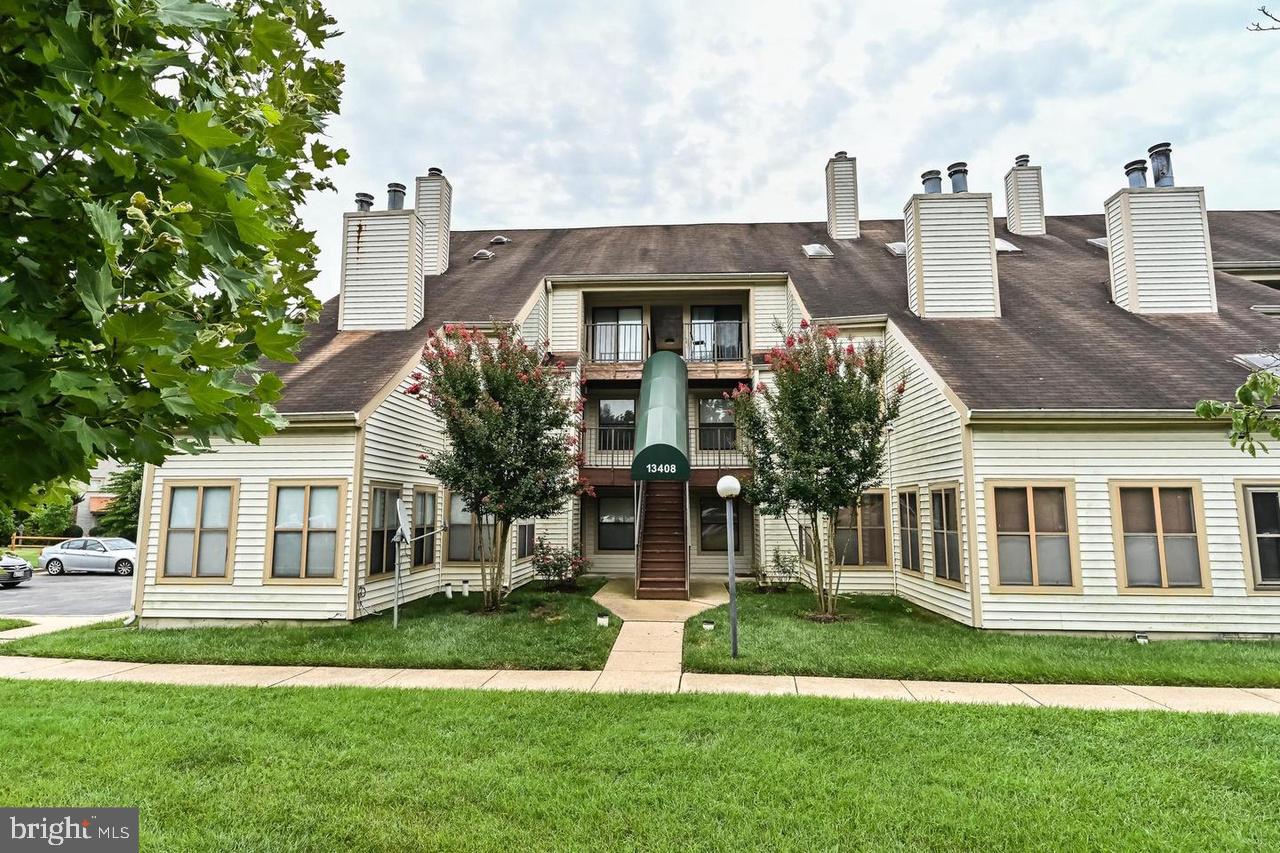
381,279
951,249
1024,198
842,197
1158,243
433,198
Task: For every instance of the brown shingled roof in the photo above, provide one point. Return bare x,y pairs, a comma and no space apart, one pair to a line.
1059,344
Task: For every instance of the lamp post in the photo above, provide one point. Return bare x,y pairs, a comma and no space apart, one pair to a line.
728,488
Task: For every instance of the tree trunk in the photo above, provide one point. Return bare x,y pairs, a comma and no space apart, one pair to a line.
493,570
819,579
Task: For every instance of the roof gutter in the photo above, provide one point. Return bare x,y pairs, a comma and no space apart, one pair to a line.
320,419
1108,416
854,320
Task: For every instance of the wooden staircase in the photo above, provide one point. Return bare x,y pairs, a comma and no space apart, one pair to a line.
662,549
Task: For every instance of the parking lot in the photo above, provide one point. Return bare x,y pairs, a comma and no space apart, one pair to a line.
67,595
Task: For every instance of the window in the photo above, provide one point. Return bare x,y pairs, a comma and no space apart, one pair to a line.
617,424
96,547
806,543
1033,527
617,334
716,333
1159,536
1262,511
946,534
469,540
713,525
616,523
524,540
817,250
909,529
304,533
383,522
862,537
198,522
74,545
424,522
716,429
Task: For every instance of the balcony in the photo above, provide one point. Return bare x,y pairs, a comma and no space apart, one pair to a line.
712,349
713,447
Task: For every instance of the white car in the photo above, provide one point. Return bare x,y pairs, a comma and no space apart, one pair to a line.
90,555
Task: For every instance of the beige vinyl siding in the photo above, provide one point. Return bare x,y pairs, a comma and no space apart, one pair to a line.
1024,200
925,449
769,305
535,328
433,199
294,455
954,248
1118,251
1093,458
416,282
842,198
381,256
913,259
1170,246
566,318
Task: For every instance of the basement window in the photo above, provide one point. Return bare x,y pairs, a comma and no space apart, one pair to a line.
1100,242
1005,246
1268,361
817,250
898,249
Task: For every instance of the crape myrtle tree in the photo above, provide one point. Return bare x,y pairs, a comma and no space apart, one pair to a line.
153,156
1251,414
513,428
815,440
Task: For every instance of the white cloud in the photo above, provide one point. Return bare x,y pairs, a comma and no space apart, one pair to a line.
574,113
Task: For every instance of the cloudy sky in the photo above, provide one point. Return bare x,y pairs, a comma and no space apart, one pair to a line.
574,113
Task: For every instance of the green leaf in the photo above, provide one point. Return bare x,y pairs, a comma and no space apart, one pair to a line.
256,180
186,13
277,340
122,164
130,94
270,113
108,228
271,34
199,130
154,139
250,221
97,291
139,330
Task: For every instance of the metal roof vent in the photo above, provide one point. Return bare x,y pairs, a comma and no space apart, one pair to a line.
483,255
817,250
499,240
1100,242
898,249
1003,245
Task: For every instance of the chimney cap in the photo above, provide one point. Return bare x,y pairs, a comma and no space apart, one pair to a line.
958,166
1022,160
932,173
435,170
364,202
395,185
1160,146
932,181
840,155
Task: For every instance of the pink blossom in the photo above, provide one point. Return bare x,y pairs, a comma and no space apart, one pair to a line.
791,340
804,323
830,333
831,364
760,389
900,387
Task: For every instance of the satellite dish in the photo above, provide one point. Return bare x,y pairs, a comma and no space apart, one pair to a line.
403,532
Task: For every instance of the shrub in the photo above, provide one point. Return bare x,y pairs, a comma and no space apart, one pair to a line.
8,526
50,519
73,531
783,569
558,568
120,518
96,530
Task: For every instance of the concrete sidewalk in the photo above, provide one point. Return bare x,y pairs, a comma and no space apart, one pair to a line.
1230,700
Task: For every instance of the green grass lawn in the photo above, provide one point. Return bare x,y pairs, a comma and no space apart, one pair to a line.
884,637
9,624
31,555
358,769
540,630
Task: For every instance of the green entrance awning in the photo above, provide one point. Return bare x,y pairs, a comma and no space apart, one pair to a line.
662,421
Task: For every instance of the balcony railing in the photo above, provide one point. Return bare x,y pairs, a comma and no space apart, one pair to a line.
715,446
610,446
709,341
617,343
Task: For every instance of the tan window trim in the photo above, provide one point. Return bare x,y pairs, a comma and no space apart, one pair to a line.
993,548
919,529
516,559
340,539
386,574
232,519
435,522
888,538
1117,534
1244,511
932,573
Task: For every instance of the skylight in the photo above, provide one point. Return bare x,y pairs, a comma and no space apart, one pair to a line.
817,250
1005,246
482,255
498,240
1100,242
898,249
1268,361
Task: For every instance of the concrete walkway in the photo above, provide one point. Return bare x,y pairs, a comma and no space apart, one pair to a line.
1230,700
48,624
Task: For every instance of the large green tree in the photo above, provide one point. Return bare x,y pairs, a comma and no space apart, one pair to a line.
815,440
120,518
513,428
153,156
